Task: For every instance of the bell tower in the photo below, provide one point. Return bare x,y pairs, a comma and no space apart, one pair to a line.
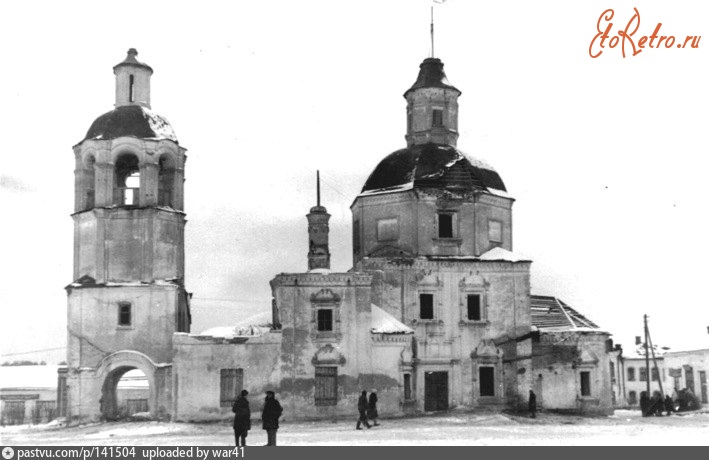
319,234
128,296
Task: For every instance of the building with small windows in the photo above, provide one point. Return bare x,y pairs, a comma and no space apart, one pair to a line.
436,312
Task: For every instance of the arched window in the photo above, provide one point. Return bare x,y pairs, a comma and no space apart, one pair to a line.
126,180
166,180
89,182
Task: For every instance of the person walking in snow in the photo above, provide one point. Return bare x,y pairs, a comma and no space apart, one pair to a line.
372,413
362,408
242,418
272,411
532,405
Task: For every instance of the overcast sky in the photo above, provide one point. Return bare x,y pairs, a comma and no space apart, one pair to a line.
606,157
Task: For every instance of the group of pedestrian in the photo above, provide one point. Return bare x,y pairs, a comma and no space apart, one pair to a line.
270,414
367,410
656,405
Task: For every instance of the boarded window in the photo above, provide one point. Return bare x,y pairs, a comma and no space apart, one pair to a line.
445,225
612,371
325,386
388,229
426,306
437,118
643,374
125,314
585,383
474,307
231,384
407,386
631,374
494,231
325,319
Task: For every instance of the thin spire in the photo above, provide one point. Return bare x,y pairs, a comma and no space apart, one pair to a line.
318,181
432,51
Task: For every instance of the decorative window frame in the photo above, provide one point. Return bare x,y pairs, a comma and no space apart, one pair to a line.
325,299
455,225
473,288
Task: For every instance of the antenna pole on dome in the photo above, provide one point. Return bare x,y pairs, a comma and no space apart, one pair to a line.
432,53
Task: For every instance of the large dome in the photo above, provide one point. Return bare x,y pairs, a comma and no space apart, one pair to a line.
130,120
432,166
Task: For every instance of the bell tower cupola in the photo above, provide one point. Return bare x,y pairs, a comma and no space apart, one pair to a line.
132,81
432,107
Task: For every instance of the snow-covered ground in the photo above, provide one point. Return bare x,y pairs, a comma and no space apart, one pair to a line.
623,428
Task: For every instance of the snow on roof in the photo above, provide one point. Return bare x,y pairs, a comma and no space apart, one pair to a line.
497,192
553,315
396,188
321,271
28,376
384,323
499,253
252,326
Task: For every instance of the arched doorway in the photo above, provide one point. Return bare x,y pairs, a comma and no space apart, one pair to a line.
118,368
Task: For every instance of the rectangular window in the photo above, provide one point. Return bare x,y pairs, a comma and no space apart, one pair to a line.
355,237
124,314
585,384
231,382
487,381
388,229
407,386
612,372
445,225
426,306
643,374
631,374
131,83
494,231
325,386
324,319
437,118
655,374
474,307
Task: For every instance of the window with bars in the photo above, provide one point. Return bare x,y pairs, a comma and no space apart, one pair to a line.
325,319
325,386
125,314
426,306
474,307
585,383
231,382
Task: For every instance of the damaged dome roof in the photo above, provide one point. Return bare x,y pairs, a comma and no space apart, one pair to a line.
433,166
131,120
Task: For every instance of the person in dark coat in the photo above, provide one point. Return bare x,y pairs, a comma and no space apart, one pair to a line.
644,404
372,413
532,405
362,408
669,404
242,418
272,411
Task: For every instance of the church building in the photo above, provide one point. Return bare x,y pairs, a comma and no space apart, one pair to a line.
436,312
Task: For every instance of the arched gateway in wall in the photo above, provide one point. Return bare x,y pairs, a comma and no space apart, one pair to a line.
112,368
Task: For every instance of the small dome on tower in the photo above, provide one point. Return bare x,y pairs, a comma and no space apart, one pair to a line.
131,60
130,120
431,75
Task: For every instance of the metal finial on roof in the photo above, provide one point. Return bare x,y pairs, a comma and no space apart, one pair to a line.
132,52
432,53
318,187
